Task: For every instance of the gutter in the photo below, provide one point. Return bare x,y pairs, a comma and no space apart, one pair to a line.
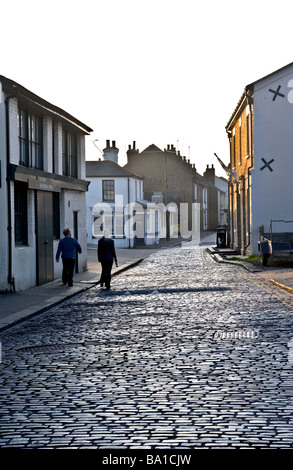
235,113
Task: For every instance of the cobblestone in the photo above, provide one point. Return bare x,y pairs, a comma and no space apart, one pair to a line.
181,352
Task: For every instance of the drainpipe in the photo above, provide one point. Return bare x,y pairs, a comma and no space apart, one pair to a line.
249,169
129,245
11,280
229,218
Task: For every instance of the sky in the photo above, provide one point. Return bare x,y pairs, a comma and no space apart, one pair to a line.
151,71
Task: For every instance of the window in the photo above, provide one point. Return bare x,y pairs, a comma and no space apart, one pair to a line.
108,190
69,154
195,192
53,147
118,223
56,216
20,213
64,154
30,132
247,134
240,143
23,139
205,208
233,150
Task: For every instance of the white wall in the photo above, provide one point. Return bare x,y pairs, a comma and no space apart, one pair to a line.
24,257
81,161
124,194
272,191
94,199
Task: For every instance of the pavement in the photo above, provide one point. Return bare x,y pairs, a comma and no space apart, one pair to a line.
18,306
278,272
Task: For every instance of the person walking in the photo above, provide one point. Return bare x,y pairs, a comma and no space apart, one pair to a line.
67,248
106,256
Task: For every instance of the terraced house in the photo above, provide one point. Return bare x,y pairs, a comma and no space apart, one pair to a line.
261,143
171,177
42,186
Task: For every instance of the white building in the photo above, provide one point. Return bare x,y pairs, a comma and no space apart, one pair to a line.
218,196
115,200
261,143
42,186
222,184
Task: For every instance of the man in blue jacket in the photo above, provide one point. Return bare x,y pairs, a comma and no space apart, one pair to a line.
67,248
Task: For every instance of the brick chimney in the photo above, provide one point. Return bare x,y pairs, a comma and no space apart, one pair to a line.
111,153
209,174
132,152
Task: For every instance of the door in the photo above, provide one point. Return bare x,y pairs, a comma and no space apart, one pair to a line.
44,225
75,235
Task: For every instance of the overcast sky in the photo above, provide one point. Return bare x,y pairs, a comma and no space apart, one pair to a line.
151,71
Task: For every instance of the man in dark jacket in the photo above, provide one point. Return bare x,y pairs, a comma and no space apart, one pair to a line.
67,246
106,256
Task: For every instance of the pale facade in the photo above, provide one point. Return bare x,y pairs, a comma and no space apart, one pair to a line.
115,200
261,142
42,187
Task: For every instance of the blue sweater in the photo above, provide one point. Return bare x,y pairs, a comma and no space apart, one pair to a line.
68,246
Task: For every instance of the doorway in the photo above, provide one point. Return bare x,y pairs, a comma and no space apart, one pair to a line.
44,244
75,235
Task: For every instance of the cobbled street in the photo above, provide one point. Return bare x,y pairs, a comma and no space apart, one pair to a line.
182,352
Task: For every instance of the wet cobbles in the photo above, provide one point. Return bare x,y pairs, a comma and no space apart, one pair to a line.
182,352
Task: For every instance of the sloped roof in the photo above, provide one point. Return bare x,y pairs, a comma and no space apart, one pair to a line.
185,165
152,148
15,89
106,168
249,89
272,73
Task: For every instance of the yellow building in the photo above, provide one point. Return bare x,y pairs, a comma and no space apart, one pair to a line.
240,134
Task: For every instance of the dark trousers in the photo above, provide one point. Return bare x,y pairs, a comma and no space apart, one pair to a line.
106,273
67,272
